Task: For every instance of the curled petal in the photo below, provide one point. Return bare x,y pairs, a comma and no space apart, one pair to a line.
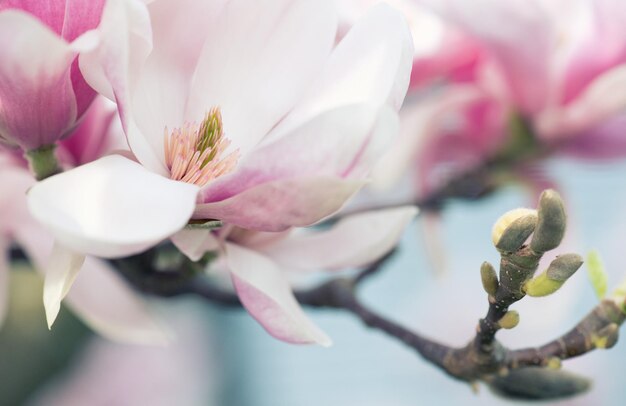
267,296
112,207
61,272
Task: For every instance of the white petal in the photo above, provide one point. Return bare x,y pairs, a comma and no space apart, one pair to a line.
113,69
112,207
61,271
258,59
354,241
372,64
195,243
267,296
108,305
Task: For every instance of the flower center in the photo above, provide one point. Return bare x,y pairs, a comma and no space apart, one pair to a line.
195,153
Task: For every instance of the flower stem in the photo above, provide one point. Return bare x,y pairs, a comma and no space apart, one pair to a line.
43,162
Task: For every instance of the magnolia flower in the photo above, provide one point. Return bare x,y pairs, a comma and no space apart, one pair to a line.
553,65
100,297
259,121
42,92
261,263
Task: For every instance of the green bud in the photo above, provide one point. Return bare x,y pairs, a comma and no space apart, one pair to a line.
536,383
509,320
564,266
555,276
551,225
489,278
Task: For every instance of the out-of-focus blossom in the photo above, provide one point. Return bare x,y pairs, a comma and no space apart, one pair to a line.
440,50
556,64
100,297
42,91
261,263
260,121
105,373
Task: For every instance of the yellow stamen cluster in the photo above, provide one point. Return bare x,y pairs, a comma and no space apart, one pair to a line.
193,153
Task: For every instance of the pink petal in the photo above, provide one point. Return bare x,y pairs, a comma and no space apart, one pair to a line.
371,64
353,242
598,102
601,50
91,139
280,204
37,103
518,34
267,296
257,60
332,144
49,12
112,207
605,141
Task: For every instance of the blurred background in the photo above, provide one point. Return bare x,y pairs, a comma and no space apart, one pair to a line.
222,356
466,91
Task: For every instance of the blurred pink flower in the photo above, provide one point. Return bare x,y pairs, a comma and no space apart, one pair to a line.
261,263
556,64
100,297
297,121
42,91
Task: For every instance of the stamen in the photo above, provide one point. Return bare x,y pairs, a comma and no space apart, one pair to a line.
193,153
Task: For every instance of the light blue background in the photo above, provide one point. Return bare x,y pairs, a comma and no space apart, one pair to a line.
364,367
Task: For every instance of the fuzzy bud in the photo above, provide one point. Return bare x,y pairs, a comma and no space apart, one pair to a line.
489,278
551,225
513,228
509,320
555,276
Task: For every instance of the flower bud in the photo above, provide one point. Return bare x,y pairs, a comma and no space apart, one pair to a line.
513,228
509,320
555,276
536,383
551,225
489,278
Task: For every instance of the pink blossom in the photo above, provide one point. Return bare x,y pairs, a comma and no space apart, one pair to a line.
42,91
557,66
260,121
100,296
